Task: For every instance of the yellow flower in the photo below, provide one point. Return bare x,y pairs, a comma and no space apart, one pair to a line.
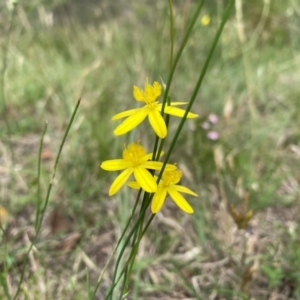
152,109
205,20
135,160
168,185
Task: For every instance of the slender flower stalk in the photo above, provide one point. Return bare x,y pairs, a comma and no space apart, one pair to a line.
152,109
168,186
137,162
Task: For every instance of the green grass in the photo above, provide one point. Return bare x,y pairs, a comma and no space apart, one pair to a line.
98,54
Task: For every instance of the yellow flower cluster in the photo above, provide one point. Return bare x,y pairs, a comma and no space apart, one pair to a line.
135,159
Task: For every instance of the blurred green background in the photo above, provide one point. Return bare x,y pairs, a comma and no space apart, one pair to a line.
55,52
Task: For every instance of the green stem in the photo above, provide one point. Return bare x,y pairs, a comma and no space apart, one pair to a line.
148,224
174,65
199,82
140,220
116,247
178,55
39,224
38,198
123,285
144,201
156,154
124,271
171,33
126,242
56,162
139,234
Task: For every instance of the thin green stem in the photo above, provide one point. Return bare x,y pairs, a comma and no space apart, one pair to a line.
136,227
199,82
136,245
137,234
141,233
126,242
124,271
148,224
171,33
57,160
118,244
115,281
46,201
144,201
3,283
139,223
38,198
123,285
176,60
156,154
178,55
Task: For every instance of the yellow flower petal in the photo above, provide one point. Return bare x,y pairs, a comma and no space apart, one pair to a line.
159,105
156,89
183,189
178,103
115,165
158,200
120,181
131,122
170,167
145,179
158,123
179,200
178,112
133,185
153,165
138,94
125,114
147,157
157,165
